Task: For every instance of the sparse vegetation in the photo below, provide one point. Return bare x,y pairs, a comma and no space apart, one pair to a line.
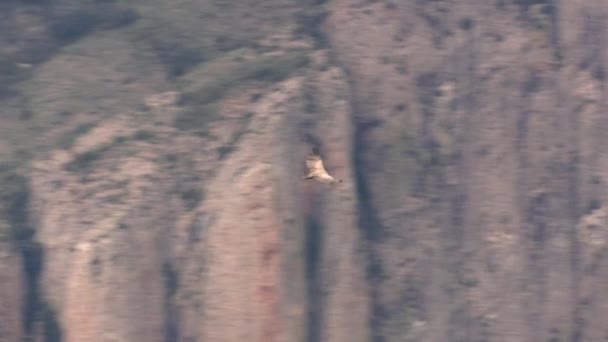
191,197
143,135
532,84
195,119
262,69
527,3
176,51
71,26
68,140
177,57
395,133
599,73
466,24
414,162
119,139
309,95
593,204
10,74
274,69
170,158
14,205
309,22
427,89
171,279
225,43
225,151
83,162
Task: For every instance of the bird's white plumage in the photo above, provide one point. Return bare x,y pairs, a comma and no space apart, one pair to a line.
315,169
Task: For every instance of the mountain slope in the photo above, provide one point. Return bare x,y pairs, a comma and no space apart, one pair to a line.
152,157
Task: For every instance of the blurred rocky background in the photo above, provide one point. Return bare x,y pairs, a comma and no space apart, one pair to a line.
151,162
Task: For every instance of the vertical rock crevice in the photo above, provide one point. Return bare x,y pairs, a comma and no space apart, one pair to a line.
367,220
314,286
39,318
171,285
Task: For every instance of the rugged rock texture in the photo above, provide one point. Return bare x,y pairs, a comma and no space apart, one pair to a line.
152,159
11,295
479,155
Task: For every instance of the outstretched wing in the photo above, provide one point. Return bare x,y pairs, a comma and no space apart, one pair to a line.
316,169
326,178
314,164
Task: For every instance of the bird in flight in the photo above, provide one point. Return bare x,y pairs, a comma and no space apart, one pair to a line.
316,170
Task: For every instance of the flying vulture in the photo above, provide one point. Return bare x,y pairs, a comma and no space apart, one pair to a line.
316,170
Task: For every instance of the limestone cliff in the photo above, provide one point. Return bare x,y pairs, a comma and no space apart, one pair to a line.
480,134
152,157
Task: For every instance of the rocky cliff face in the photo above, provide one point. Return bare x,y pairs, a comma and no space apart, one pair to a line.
152,163
487,117
12,295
